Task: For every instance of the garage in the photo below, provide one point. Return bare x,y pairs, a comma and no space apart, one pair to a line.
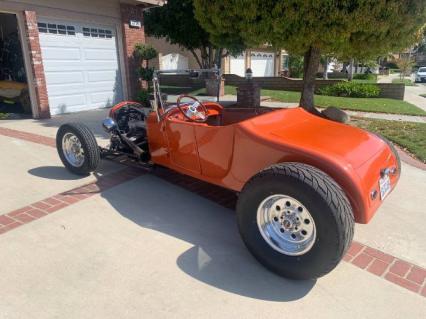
262,63
14,95
81,65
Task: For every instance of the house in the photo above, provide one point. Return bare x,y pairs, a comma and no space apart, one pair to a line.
71,55
264,61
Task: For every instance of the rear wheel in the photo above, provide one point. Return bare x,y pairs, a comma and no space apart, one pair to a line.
77,148
295,220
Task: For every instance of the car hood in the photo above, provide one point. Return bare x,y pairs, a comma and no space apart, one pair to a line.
305,132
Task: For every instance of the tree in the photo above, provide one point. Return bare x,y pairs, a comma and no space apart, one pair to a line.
405,65
142,54
176,22
345,29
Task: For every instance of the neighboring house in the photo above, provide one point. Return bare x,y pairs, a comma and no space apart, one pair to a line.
263,61
77,55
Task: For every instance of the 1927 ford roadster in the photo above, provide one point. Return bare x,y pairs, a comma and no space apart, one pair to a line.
302,180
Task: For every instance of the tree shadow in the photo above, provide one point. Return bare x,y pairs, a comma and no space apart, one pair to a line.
218,256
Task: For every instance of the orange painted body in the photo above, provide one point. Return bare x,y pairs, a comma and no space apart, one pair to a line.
236,144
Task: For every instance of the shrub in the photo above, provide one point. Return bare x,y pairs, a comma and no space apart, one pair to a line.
143,97
351,89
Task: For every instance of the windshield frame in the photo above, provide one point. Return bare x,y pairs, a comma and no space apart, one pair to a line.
158,103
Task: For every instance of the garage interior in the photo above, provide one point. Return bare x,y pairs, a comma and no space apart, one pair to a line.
14,96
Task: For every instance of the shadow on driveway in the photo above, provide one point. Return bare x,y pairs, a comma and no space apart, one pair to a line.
218,256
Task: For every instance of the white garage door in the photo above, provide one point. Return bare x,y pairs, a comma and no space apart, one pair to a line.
81,66
262,63
237,65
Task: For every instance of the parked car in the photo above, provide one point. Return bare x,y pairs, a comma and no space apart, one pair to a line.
421,74
302,180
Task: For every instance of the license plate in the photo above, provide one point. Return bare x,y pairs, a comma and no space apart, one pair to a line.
385,186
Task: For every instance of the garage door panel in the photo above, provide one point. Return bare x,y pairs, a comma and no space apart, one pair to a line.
53,78
82,68
61,54
100,54
66,89
103,96
67,103
102,76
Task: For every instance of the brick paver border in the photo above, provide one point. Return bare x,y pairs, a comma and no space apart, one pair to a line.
374,261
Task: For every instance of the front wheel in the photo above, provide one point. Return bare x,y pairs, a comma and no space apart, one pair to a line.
77,148
295,220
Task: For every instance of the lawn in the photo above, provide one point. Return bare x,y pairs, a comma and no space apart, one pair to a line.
410,136
407,82
357,104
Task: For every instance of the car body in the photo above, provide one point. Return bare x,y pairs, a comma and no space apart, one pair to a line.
302,179
420,75
230,154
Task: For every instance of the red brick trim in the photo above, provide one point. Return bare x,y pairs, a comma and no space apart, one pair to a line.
404,274
391,268
57,202
407,158
131,36
33,42
30,137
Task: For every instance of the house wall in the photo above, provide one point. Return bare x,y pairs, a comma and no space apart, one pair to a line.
63,9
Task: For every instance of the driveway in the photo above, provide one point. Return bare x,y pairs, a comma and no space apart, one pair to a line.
126,243
412,93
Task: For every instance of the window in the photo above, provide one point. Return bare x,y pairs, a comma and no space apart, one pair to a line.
53,28
97,33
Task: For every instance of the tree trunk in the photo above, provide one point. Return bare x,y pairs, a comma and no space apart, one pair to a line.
325,75
351,70
197,58
310,68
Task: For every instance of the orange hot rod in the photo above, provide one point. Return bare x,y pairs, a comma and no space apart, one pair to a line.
302,180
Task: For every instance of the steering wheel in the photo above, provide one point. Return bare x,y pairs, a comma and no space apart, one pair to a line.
195,112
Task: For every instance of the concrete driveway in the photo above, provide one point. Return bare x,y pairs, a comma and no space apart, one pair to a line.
128,244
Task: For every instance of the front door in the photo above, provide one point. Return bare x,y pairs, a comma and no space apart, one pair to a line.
182,145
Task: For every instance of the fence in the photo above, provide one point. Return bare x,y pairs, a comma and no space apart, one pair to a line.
387,90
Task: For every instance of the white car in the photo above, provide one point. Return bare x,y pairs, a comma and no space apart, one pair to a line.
421,74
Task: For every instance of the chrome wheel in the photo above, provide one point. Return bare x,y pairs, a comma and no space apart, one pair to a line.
73,151
286,225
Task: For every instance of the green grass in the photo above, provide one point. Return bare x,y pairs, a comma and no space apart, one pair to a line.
357,104
3,116
410,136
407,82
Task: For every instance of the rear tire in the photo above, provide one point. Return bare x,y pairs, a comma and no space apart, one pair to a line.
83,156
328,210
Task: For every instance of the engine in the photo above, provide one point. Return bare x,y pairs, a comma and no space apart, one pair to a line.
130,135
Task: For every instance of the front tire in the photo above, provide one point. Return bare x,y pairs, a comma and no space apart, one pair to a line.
295,220
77,148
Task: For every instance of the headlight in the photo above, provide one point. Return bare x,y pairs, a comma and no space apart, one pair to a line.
109,125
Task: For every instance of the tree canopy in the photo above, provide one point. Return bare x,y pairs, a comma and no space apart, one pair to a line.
175,21
344,28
